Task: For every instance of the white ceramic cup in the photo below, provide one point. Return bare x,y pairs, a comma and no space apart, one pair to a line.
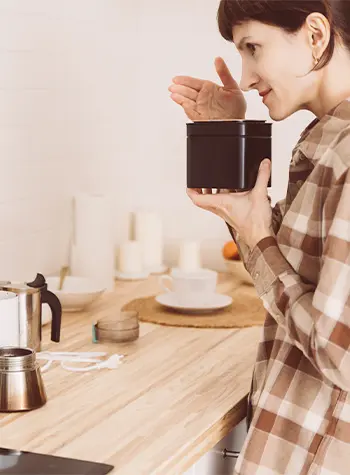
190,288
189,256
10,332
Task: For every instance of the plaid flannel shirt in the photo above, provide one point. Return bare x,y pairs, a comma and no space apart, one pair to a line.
299,400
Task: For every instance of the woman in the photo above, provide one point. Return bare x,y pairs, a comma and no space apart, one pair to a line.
296,54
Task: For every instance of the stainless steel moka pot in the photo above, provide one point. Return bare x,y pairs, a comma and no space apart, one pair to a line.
31,296
21,384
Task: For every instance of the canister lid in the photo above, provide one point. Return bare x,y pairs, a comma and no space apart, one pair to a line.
239,127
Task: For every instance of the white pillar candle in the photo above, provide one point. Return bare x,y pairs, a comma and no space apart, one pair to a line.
149,232
189,256
130,257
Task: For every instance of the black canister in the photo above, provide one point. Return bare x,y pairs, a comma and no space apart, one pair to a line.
226,154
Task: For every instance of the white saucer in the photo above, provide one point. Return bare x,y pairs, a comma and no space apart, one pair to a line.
158,270
171,300
131,276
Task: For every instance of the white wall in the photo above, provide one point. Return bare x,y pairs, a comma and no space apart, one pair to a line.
84,105
67,72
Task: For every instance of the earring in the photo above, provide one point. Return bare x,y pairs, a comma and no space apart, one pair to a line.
316,60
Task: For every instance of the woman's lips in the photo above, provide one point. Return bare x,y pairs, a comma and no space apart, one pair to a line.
265,94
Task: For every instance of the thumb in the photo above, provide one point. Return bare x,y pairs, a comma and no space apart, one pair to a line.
224,74
264,174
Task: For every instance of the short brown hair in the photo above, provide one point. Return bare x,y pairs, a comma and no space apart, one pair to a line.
290,15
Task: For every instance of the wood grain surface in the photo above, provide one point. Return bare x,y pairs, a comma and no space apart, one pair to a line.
178,392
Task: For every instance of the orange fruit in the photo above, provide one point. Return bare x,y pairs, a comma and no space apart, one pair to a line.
230,251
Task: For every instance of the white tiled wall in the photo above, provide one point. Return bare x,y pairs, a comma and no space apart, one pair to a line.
84,105
67,71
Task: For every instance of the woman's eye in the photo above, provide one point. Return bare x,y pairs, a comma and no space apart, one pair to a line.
252,48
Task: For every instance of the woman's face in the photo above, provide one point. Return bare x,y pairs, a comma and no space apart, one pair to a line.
278,62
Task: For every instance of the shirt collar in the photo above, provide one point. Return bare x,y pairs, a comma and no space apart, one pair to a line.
316,138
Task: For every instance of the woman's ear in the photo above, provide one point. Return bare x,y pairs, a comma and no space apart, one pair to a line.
318,33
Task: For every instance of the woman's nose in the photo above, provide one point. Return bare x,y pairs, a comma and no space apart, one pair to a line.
248,80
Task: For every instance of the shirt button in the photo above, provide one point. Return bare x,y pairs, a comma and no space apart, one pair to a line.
257,275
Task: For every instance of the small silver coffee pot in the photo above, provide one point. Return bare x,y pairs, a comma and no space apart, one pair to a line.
22,387
31,296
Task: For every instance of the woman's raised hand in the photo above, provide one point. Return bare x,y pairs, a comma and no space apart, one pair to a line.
205,100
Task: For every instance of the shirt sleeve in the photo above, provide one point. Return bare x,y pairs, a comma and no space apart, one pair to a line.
315,317
243,249
277,215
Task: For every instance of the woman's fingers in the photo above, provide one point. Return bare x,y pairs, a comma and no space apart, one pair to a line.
188,106
184,91
183,101
193,83
204,200
225,75
262,180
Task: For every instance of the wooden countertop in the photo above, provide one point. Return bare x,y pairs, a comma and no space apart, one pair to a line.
178,392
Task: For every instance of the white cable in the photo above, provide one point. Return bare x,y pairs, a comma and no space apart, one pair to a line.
112,363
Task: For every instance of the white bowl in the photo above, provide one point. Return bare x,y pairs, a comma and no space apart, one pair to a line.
77,292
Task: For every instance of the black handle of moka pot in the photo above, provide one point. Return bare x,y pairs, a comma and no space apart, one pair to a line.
56,310
55,305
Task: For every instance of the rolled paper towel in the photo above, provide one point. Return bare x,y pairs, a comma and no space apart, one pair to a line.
149,232
92,219
93,253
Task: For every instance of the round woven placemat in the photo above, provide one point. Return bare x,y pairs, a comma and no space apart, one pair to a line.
246,310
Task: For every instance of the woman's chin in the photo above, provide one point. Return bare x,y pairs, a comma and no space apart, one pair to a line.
277,114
